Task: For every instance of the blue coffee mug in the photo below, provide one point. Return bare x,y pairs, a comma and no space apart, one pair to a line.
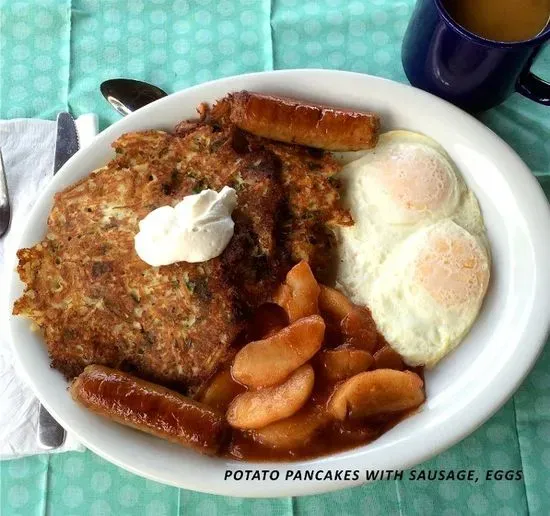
474,73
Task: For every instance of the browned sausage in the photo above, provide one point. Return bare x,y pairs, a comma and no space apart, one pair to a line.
150,408
292,121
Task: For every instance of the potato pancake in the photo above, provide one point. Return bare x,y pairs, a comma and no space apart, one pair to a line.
97,302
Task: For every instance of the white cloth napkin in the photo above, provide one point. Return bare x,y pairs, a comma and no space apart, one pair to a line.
28,150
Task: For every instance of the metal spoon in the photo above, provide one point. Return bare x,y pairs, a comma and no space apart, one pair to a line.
5,211
127,95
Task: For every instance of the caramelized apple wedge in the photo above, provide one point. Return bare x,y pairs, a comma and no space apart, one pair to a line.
333,304
294,432
387,358
341,363
257,409
300,293
382,391
359,329
221,390
270,361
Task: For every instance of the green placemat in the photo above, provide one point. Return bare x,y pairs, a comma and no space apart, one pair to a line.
54,54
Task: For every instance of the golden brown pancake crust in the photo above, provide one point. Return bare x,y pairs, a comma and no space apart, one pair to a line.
97,302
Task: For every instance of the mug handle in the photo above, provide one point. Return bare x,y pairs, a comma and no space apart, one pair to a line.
532,86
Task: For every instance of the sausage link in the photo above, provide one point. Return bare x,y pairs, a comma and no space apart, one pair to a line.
150,408
293,121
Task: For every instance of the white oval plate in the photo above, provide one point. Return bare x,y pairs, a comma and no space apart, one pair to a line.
462,391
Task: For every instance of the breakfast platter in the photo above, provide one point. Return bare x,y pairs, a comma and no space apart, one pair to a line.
394,272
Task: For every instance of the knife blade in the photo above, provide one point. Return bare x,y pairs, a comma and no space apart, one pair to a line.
66,143
50,433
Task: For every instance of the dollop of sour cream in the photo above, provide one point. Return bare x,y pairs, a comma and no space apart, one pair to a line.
196,229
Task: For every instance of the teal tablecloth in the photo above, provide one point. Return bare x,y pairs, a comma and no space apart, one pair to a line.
54,54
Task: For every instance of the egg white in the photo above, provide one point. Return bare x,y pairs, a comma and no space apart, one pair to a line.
394,192
429,291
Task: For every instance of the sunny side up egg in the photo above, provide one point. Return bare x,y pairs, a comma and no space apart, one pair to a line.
418,254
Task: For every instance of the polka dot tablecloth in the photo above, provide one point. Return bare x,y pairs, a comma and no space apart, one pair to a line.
54,54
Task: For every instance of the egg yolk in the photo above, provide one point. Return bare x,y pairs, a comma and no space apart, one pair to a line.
453,270
416,179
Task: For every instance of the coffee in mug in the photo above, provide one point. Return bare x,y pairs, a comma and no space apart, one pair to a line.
476,53
501,20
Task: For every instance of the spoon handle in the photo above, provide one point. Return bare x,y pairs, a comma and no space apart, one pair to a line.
50,433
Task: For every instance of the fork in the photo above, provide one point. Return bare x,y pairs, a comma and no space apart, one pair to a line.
51,434
5,211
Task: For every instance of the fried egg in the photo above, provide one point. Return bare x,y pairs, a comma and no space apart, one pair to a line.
412,207
429,291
